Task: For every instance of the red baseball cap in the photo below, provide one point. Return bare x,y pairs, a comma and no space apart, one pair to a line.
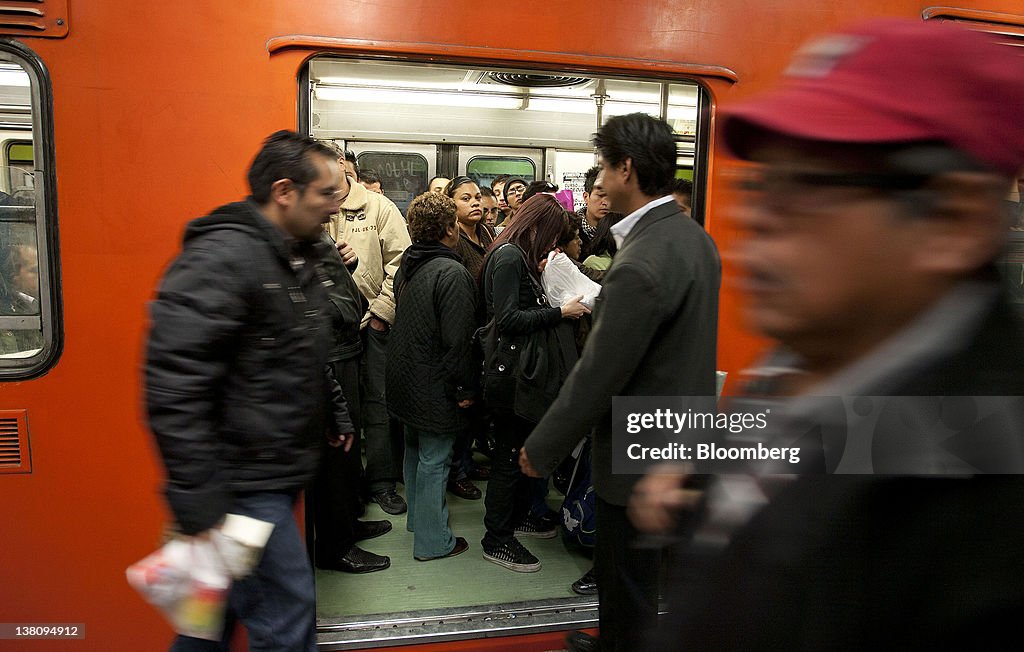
897,80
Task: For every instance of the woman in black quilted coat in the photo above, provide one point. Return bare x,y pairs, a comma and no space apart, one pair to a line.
431,374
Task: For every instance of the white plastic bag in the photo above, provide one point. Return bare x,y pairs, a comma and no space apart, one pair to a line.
188,583
563,281
188,579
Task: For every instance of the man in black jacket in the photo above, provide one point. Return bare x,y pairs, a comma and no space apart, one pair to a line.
654,334
237,385
874,223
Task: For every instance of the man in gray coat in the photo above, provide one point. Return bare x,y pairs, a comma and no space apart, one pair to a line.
655,328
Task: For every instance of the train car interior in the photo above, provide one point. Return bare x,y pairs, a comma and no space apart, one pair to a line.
409,122
21,326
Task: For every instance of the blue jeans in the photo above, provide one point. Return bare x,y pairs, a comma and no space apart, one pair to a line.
277,602
427,456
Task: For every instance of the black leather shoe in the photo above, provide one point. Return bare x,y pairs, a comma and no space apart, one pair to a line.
480,473
357,560
586,585
461,546
390,502
582,642
371,529
464,489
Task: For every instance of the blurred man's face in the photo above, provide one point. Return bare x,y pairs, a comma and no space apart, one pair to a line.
489,206
26,279
373,187
612,180
822,262
349,167
439,184
311,206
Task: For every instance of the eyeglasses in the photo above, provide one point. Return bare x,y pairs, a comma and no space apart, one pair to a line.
515,190
765,180
805,191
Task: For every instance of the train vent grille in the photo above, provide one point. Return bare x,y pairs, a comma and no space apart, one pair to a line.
14,452
34,17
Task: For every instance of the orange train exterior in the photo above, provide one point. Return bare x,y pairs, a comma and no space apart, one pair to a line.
158,108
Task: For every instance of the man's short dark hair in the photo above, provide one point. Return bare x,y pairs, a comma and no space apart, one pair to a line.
485,191
350,156
430,215
591,179
501,178
683,187
369,176
285,155
645,140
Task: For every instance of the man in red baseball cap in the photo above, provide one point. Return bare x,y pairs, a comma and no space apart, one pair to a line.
874,220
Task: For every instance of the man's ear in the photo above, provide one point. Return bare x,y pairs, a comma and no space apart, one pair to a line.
626,168
965,227
283,192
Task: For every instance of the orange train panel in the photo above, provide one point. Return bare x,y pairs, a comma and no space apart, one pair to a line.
158,109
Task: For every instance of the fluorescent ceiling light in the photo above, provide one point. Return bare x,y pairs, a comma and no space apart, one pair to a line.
392,96
10,77
584,106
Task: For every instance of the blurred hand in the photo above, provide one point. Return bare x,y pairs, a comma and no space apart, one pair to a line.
659,497
465,403
525,466
379,324
344,439
573,309
348,255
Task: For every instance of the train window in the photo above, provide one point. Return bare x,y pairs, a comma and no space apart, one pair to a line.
29,328
483,169
403,176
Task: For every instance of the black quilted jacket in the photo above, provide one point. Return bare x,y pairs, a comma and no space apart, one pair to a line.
236,388
430,363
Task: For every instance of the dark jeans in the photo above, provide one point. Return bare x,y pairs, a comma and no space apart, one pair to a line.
334,502
462,462
627,582
508,490
382,436
277,602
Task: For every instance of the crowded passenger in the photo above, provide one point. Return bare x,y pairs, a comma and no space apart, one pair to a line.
474,239
19,295
336,497
682,192
654,334
238,432
371,181
513,192
498,188
438,184
594,210
376,232
874,219
350,164
489,206
431,372
519,386
537,187
602,245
